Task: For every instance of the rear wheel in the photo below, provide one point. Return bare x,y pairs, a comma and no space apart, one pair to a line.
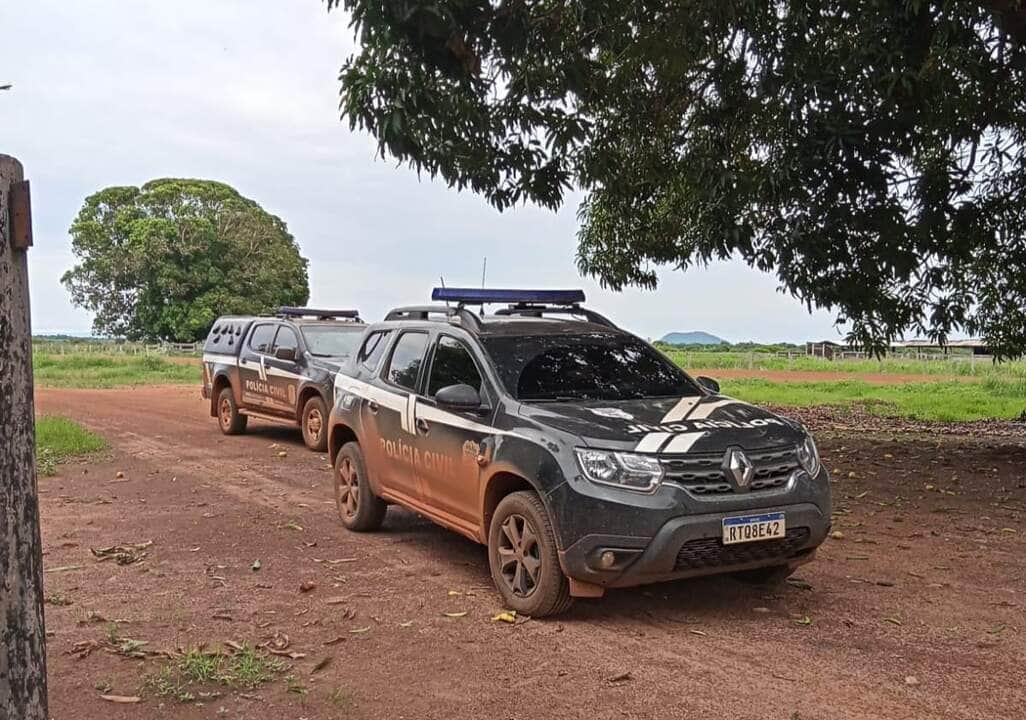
358,507
315,424
522,557
229,419
764,576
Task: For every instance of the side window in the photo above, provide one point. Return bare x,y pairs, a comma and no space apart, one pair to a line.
286,339
373,348
452,365
262,338
404,365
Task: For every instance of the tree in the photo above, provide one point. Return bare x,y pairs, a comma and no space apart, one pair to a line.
164,260
871,153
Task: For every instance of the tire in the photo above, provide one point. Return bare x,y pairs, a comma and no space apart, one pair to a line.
229,419
773,575
315,424
358,507
521,530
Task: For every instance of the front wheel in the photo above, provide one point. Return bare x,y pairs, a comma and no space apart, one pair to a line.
315,424
358,507
523,560
229,419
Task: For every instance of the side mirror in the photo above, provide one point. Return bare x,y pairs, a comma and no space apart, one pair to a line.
708,383
285,354
458,397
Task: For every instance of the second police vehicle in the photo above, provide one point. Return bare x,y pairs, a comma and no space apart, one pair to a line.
578,453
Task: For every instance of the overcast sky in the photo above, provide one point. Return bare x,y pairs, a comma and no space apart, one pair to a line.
108,92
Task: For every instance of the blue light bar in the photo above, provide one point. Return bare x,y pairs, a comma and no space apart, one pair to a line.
480,296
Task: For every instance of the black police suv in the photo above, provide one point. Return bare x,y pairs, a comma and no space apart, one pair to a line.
278,368
581,456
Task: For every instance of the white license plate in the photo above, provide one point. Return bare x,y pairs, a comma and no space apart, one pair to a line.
750,528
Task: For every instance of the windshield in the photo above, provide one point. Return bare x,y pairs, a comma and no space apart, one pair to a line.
595,366
332,340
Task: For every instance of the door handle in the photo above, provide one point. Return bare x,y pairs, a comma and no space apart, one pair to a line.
422,426
372,406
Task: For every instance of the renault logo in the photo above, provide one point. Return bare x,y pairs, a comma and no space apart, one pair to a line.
738,468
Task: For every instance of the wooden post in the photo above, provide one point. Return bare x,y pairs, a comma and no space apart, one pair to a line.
23,636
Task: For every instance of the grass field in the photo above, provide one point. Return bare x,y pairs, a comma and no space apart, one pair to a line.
92,370
955,365
939,401
59,439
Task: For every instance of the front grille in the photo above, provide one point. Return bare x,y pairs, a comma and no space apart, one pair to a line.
711,552
702,473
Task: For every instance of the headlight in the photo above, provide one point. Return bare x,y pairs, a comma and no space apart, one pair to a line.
640,473
808,456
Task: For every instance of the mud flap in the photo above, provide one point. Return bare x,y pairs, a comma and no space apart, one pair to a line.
581,589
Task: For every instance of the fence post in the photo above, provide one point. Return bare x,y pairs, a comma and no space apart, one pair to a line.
23,638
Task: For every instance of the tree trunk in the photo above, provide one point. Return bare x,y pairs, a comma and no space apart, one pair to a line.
23,638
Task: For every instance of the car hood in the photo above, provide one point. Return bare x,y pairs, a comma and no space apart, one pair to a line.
668,425
331,364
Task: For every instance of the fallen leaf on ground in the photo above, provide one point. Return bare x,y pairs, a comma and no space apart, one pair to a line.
459,614
803,620
321,664
255,566
335,640
892,621
408,623
698,632
356,631
506,616
64,568
622,677
307,586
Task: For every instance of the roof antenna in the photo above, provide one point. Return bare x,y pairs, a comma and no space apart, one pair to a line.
442,279
484,269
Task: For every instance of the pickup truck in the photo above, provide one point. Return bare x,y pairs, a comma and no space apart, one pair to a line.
280,368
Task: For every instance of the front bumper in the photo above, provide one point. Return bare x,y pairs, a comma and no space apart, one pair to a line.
690,546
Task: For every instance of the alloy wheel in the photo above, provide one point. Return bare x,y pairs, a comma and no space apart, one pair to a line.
347,495
519,555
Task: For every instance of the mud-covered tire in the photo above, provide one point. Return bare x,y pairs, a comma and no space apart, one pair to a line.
314,422
764,576
358,507
520,537
229,419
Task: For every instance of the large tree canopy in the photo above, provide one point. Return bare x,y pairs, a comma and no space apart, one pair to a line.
164,260
869,152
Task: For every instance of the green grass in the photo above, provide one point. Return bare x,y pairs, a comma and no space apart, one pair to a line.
938,401
244,668
955,365
93,370
59,439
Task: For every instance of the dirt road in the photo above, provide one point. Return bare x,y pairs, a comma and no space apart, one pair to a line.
918,611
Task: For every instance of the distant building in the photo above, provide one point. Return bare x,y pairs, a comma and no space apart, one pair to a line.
977,347
825,349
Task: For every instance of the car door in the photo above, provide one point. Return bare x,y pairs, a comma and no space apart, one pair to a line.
450,442
283,373
391,411
368,364
255,391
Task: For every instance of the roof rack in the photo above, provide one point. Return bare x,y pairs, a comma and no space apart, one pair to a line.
297,312
532,310
457,314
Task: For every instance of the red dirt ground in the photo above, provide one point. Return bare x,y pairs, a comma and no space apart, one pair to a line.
917,612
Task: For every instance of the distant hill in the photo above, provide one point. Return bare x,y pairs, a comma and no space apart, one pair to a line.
691,338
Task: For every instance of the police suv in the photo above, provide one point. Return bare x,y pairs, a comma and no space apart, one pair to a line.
581,456
278,368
